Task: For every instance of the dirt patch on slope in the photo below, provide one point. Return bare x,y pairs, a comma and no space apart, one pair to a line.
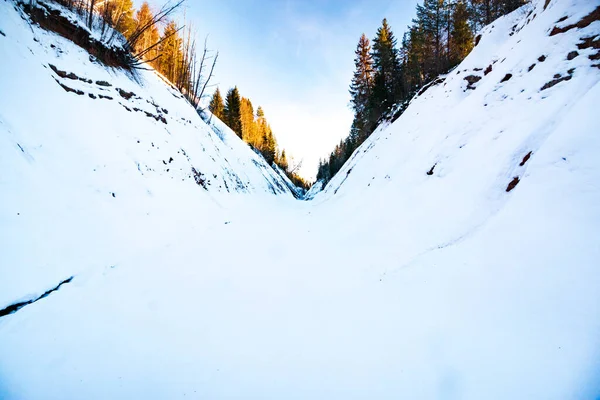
53,20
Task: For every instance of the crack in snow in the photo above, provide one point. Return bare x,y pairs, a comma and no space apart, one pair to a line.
13,308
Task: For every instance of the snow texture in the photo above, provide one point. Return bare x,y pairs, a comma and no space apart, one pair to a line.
416,285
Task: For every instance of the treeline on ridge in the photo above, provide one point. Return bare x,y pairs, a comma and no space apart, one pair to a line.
152,37
237,113
386,76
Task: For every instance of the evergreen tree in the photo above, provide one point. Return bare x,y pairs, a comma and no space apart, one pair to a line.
232,111
387,85
416,58
216,105
261,130
361,88
150,36
120,15
249,128
509,6
170,51
432,17
269,147
283,162
461,35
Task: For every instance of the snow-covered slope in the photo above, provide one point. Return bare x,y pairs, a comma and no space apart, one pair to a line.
419,286
314,190
85,149
135,124
447,162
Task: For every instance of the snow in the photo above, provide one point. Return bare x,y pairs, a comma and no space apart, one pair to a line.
390,283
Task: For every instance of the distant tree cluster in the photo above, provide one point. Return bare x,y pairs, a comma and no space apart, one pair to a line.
237,113
153,38
386,76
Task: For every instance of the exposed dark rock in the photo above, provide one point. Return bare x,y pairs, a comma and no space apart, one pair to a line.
531,67
488,69
199,178
92,96
62,74
430,172
71,90
103,83
506,78
124,94
525,159
582,23
512,184
572,55
472,80
555,82
542,58
592,41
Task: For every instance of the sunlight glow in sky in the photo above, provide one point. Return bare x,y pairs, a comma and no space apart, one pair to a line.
295,59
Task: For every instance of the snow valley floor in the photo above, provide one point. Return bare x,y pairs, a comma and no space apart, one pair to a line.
227,306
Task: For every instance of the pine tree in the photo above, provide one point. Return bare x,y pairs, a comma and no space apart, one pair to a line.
361,88
508,6
150,36
269,146
461,35
120,15
232,111
261,129
249,129
432,17
283,162
387,85
216,105
170,51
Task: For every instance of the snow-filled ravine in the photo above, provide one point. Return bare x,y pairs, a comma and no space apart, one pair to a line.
420,271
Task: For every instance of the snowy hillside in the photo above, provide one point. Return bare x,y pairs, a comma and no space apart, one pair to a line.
83,142
432,272
132,123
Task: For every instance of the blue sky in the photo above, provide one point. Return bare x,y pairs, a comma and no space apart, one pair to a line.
295,59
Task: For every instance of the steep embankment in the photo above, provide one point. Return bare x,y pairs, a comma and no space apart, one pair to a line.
90,154
477,138
426,279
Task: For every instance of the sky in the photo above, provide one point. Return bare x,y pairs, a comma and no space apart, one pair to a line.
295,59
